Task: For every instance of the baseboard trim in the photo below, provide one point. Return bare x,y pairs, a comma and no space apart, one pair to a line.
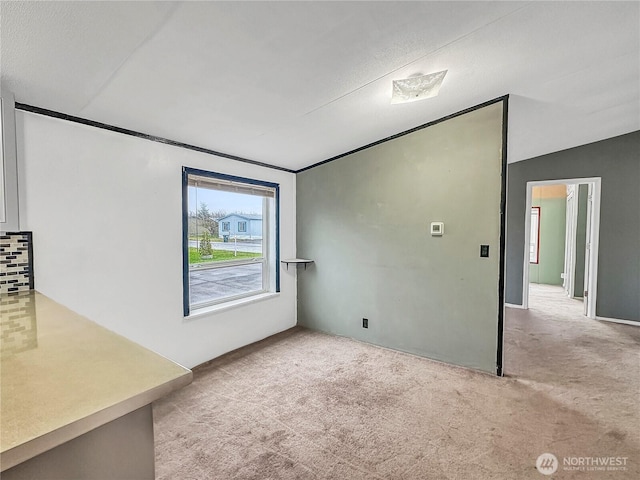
513,305
617,320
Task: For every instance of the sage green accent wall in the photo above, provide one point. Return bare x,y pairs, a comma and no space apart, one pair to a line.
365,221
553,223
581,241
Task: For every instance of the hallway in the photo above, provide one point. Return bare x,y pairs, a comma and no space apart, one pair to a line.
590,366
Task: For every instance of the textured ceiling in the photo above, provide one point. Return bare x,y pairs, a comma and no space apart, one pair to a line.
294,83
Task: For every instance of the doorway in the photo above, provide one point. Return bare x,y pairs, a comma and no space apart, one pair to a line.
562,229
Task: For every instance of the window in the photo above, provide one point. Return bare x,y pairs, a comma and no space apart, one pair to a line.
534,245
220,265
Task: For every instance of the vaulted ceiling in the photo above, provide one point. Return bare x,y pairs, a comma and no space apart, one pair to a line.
294,83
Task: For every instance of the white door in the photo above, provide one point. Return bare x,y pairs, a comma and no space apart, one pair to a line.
570,241
587,252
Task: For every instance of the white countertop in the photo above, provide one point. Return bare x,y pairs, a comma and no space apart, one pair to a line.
62,375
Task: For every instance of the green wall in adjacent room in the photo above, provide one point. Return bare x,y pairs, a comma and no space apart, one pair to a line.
553,216
581,240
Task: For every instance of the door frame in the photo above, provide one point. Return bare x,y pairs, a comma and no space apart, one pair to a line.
593,241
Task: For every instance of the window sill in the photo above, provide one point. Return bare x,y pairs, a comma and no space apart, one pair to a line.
213,309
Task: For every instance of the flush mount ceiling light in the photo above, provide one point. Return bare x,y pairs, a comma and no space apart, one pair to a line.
417,88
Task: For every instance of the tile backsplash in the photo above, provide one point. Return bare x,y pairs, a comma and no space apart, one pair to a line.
16,262
18,329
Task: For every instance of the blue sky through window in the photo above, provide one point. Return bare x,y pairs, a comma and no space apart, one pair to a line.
230,202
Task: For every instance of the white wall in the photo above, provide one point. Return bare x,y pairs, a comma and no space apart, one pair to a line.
105,211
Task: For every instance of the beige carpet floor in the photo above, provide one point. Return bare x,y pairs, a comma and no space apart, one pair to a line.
305,405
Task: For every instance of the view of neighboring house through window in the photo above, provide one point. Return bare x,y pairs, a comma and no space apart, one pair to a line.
229,238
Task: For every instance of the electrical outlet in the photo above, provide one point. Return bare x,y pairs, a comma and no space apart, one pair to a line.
365,323
484,250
